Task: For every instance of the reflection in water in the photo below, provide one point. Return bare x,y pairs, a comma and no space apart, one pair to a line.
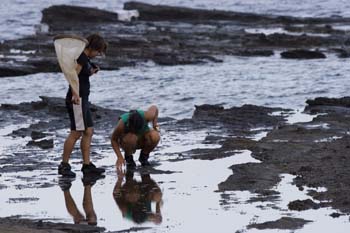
78,218
134,198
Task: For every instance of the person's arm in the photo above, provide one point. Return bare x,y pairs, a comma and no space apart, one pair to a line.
152,115
75,95
117,133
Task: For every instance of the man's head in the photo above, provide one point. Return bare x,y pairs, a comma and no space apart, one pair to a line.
97,45
135,122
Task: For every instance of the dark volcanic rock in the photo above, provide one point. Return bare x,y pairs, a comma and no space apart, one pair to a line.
166,35
164,13
323,101
17,224
38,135
247,116
43,144
300,205
251,176
315,152
324,29
282,223
302,54
55,15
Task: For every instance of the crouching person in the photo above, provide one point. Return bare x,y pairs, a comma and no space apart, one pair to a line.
132,132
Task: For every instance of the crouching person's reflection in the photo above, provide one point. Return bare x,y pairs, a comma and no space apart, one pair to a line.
135,198
78,218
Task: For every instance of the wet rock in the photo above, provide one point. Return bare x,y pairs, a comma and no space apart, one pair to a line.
342,53
324,101
252,177
164,13
55,15
335,215
265,196
43,144
253,52
167,36
18,224
315,155
247,116
38,135
22,199
282,223
331,106
319,29
301,205
302,54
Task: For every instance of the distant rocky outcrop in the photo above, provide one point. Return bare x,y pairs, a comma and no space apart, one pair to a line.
302,54
169,35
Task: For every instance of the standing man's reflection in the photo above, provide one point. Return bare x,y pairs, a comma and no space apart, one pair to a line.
88,206
134,198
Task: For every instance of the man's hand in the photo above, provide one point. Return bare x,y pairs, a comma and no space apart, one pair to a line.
119,164
75,98
94,69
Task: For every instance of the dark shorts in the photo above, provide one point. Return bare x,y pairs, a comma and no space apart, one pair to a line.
79,115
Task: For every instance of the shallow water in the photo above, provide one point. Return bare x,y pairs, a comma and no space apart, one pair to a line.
188,204
270,81
21,18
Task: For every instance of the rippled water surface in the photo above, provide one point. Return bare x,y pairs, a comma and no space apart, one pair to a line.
19,17
177,89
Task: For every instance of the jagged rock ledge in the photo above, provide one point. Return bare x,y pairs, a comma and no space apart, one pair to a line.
170,36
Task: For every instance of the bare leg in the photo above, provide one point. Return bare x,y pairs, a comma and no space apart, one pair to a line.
151,140
128,143
72,208
69,145
88,206
85,144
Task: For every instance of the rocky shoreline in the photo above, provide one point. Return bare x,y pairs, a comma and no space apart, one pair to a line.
175,35
314,152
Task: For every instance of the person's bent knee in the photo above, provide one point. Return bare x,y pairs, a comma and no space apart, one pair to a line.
154,137
75,134
88,132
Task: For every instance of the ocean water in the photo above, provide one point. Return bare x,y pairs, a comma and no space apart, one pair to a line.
267,81
19,17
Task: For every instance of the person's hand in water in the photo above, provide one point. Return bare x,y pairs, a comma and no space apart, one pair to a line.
120,164
120,173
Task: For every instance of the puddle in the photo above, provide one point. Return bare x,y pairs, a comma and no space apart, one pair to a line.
296,116
7,142
261,133
183,201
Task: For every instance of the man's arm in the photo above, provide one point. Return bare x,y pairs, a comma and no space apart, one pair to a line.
117,133
152,115
75,95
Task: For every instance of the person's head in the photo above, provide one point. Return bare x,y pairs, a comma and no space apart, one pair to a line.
96,45
135,122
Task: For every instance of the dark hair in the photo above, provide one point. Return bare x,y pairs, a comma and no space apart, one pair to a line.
135,121
96,42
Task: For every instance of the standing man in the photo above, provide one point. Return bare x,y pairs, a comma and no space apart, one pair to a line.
77,103
132,132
